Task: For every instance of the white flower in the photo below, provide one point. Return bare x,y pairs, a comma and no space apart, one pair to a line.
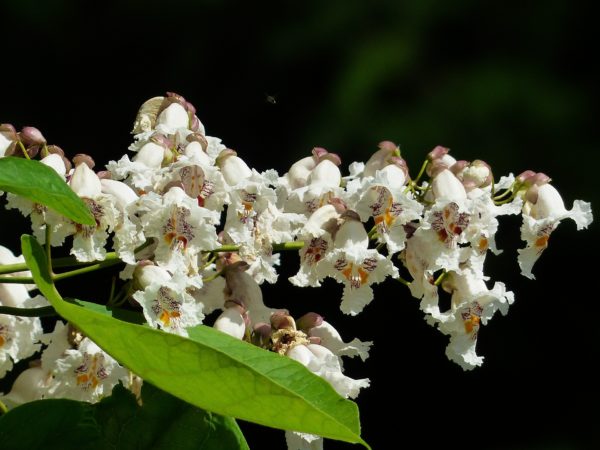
167,305
84,374
541,217
322,362
19,337
385,201
30,385
473,304
352,263
181,227
303,441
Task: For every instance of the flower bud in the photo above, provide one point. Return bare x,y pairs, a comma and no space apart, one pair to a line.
261,334
85,182
31,136
446,186
396,175
151,155
174,116
147,273
526,177
231,321
326,173
439,159
198,137
282,320
477,174
56,162
381,158
233,168
308,321
195,152
82,158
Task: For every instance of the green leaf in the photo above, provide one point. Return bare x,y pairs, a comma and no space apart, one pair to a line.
40,184
118,422
212,370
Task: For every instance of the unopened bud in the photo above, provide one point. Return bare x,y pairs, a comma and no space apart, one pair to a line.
55,162
85,182
308,321
147,273
82,158
261,334
233,168
174,116
282,320
231,322
31,136
526,177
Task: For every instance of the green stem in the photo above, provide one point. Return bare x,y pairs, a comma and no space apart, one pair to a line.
373,233
23,149
68,261
48,233
44,311
87,269
440,278
3,408
284,246
402,280
62,276
421,172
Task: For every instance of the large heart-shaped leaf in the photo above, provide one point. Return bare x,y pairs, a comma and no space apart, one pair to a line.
40,184
212,370
163,422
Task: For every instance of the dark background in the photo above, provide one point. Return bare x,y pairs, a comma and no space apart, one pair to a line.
513,83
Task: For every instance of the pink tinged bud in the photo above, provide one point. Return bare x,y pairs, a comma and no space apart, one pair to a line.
351,233
302,354
314,340
282,320
541,179
380,158
308,321
104,175
198,137
326,173
28,386
85,182
145,274
8,131
233,168
526,177
32,136
174,116
298,174
388,146
231,322
318,153
82,158
446,186
195,152
196,126
151,155
437,153
55,149
56,162
119,191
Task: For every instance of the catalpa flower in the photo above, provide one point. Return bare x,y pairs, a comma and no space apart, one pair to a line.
352,263
78,368
385,201
473,304
181,228
542,212
166,302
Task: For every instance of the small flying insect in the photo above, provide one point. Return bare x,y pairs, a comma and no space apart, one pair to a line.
272,99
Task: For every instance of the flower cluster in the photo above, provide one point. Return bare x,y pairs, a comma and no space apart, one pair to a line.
200,230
